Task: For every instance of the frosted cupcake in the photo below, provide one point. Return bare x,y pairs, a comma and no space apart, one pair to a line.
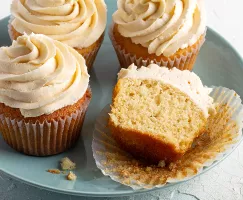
44,95
164,126
80,24
169,33
157,113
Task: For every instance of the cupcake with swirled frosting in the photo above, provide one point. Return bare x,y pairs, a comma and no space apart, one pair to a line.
44,95
166,32
78,23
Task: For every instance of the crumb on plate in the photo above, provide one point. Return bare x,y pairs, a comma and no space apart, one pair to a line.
71,176
54,171
67,164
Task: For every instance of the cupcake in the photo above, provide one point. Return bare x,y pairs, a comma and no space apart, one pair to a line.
222,136
80,24
44,95
157,113
168,33
168,117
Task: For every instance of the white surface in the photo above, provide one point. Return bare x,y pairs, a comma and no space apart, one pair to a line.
224,182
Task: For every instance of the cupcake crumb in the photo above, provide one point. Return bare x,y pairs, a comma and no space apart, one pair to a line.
71,176
161,164
149,169
54,171
67,164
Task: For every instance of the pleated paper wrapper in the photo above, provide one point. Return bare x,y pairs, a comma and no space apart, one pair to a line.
43,138
182,61
91,55
224,133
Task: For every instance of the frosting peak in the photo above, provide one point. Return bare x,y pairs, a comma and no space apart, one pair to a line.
163,26
186,81
39,75
78,23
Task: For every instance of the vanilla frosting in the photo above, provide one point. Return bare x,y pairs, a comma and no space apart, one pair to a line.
162,26
39,75
78,23
186,81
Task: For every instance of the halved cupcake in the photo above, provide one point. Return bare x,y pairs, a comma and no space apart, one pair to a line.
157,113
164,116
80,24
169,33
44,95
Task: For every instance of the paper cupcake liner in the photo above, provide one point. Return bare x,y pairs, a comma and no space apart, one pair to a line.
43,138
182,62
224,131
90,56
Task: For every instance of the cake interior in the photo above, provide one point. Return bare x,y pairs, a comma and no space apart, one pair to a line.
157,110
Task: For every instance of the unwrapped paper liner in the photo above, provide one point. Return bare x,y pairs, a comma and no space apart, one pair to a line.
224,133
182,62
43,138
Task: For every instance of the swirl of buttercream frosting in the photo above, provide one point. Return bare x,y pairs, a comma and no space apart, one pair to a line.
162,26
78,23
39,75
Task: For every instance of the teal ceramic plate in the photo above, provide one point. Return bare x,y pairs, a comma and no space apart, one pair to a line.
218,64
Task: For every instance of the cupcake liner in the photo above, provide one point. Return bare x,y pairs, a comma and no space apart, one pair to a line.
182,62
90,56
43,138
224,131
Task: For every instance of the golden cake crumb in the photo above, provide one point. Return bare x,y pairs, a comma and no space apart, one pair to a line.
161,163
71,176
148,169
67,164
54,171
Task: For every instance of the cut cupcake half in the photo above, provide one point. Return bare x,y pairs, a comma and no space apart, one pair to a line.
157,113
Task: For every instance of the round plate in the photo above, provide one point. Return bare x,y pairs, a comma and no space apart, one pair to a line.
218,64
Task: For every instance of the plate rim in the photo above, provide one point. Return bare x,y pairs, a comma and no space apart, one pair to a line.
132,192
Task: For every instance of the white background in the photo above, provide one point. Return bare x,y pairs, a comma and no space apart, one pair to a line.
224,182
